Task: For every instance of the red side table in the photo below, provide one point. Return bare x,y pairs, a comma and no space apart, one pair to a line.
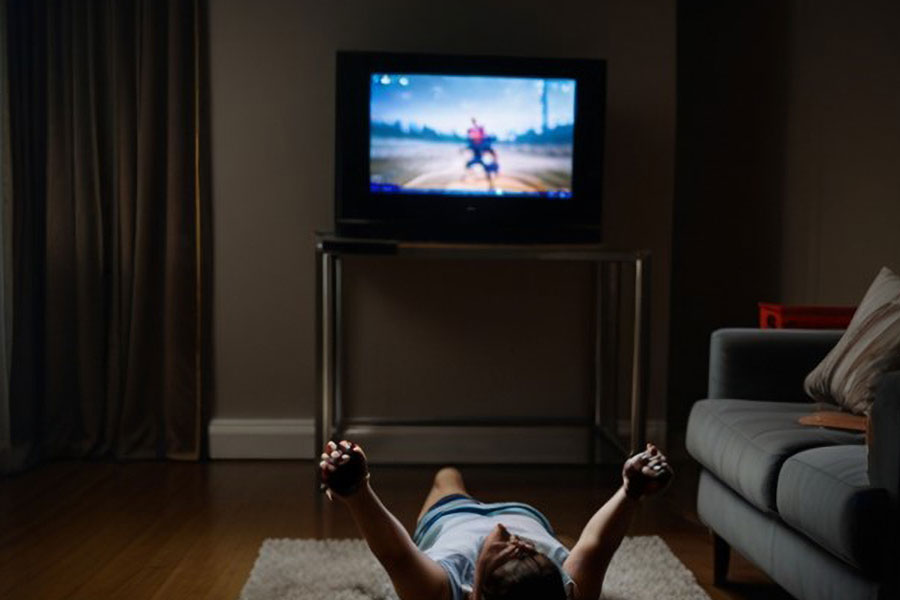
780,316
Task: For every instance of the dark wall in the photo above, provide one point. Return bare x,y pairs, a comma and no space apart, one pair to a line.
732,78
787,157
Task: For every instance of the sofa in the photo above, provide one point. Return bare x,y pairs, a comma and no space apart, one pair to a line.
814,508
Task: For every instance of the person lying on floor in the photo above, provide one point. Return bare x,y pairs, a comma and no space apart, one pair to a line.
463,549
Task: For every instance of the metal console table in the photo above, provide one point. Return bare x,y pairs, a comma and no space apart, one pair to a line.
331,249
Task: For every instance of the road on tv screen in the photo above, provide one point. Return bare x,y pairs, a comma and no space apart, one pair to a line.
431,165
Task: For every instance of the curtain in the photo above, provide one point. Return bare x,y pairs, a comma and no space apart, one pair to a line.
107,245
5,253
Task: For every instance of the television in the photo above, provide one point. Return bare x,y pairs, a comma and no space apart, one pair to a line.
469,148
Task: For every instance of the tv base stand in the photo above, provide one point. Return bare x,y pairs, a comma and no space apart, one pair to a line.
330,251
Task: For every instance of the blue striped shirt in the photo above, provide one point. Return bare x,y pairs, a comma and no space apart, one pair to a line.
453,530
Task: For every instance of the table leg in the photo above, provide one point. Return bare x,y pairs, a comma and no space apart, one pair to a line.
325,372
598,379
607,350
337,336
640,356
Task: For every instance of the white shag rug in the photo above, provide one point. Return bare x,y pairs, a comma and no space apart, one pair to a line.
643,569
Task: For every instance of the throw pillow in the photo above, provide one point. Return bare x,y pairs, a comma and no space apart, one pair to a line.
870,347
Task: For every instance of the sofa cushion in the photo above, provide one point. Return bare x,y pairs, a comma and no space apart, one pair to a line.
825,494
791,559
851,372
745,442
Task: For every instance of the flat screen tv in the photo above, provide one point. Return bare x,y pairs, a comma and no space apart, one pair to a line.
468,148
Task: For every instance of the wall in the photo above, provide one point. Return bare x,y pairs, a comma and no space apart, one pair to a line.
788,165
842,220
484,338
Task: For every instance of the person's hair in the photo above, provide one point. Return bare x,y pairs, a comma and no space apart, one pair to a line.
532,577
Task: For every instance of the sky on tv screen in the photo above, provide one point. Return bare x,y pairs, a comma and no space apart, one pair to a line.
462,135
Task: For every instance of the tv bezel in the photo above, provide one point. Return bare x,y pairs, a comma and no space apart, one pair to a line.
360,212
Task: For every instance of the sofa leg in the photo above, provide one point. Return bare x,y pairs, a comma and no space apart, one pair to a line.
721,557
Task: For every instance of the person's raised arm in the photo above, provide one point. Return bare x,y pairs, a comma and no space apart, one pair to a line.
643,474
345,476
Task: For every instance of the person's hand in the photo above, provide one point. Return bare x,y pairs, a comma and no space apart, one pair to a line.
343,469
646,472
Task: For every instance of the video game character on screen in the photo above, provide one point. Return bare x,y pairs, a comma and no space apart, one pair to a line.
419,125
480,145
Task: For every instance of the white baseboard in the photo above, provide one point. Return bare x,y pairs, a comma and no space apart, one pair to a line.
293,439
261,438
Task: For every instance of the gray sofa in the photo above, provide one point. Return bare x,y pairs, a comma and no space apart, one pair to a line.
814,508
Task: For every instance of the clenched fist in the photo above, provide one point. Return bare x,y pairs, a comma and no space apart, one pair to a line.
646,473
343,469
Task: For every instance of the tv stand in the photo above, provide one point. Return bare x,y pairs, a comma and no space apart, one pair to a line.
331,249
544,234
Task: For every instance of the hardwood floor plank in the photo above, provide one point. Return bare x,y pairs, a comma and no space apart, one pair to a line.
172,525
77,534
172,531
30,498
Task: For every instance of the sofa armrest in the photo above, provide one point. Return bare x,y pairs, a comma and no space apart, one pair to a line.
765,364
884,450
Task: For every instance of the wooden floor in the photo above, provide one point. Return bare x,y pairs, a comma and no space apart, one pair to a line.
192,530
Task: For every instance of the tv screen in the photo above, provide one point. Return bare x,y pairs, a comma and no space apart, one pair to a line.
471,135
469,148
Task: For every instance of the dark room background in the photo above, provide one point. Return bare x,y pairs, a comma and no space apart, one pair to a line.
788,165
422,339
781,184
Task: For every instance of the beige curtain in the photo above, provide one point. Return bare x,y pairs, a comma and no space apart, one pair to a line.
107,346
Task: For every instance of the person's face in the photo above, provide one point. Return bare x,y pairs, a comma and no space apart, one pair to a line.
500,547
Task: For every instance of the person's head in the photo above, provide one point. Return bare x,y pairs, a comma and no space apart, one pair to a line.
511,568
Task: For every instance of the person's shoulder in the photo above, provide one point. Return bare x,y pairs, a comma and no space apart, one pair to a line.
459,573
457,562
